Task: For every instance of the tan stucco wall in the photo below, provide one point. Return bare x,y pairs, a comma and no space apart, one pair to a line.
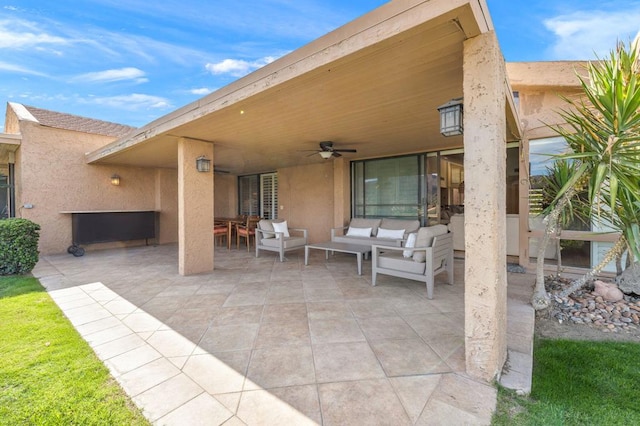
166,193
342,192
195,209
53,176
540,86
306,198
11,124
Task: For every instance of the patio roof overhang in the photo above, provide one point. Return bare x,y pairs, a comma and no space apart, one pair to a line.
9,143
373,85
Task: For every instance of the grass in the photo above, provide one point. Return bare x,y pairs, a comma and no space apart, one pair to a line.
577,383
48,373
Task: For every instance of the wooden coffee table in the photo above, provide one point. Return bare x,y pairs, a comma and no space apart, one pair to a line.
358,250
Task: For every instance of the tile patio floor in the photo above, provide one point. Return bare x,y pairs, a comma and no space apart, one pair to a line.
259,342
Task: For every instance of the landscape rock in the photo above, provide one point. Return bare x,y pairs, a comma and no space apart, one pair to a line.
629,280
592,308
608,291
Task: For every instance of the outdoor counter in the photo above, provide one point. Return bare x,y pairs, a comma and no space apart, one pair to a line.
102,226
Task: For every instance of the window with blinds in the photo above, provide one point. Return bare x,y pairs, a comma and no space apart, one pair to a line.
258,195
248,193
269,191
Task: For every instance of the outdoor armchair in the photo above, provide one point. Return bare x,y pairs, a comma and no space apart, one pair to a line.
432,255
275,235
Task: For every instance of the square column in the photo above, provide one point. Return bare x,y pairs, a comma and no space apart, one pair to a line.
195,209
485,207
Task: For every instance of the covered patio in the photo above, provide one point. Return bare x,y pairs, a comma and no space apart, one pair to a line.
373,85
264,342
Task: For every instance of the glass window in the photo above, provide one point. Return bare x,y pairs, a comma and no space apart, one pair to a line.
258,195
544,182
513,180
269,191
4,196
389,187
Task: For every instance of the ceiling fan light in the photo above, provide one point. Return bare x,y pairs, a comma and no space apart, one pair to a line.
325,154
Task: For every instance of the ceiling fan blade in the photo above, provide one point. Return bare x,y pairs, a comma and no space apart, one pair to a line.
336,153
326,145
345,150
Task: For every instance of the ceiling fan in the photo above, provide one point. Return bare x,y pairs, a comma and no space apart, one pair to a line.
327,150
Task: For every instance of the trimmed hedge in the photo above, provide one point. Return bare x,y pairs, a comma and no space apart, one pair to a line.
18,246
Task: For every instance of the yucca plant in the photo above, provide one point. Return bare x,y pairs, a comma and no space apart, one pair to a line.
603,131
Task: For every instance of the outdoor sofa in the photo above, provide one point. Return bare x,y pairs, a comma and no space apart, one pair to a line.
366,231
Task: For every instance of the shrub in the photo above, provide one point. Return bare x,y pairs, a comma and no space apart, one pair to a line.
18,246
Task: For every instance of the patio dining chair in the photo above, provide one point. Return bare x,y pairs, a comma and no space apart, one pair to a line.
220,231
247,231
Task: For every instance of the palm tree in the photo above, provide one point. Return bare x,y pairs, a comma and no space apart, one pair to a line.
603,132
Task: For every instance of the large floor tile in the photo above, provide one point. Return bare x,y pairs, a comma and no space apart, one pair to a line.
281,366
366,402
290,406
345,361
229,338
272,334
392,327
203,410
335,331
408,357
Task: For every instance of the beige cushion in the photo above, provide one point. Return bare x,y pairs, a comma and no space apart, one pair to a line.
359,222
395,261
288,242
409,225
425,239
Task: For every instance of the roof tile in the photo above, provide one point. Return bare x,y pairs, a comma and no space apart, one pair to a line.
76,123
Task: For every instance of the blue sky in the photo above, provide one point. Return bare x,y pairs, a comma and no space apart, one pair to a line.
131,61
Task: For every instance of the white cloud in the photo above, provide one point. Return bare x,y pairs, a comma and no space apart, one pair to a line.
20,34
4,66
585,34
201,91
129,73
237,67
132,102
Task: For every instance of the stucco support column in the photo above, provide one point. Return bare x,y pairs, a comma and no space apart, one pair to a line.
341,192
485,207
195,209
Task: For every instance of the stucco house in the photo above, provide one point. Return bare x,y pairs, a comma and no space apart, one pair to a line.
373,85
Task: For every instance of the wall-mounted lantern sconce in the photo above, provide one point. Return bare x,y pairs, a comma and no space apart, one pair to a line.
451,117
203,164
115,180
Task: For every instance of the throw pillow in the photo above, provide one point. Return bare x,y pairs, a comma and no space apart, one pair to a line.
281,227
359,232
396,234
411,242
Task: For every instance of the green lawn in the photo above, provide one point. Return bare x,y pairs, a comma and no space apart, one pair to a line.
48,373
577,383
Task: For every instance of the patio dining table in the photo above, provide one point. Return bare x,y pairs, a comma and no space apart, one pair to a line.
230,222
